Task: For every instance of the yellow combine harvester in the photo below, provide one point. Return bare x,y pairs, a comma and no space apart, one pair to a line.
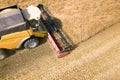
17,31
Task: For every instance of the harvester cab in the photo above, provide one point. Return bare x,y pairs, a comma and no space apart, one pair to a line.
23,28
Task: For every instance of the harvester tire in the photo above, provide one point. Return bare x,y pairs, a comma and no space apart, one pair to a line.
31,43
2,54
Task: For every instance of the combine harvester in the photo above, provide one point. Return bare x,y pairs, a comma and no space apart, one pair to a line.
18,29
59,42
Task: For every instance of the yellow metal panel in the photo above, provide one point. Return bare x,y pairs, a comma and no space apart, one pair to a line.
11,43
12,40
14,35
40,34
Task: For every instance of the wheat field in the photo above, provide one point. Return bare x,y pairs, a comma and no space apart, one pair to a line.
92,25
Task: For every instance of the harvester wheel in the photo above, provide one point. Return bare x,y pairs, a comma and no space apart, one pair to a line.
2,54
31,43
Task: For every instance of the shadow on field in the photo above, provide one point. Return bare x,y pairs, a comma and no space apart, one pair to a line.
10,52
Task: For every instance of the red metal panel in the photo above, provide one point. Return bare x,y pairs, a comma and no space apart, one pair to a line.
57,46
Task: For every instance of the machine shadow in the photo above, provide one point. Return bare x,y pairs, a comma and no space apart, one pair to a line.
10,52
